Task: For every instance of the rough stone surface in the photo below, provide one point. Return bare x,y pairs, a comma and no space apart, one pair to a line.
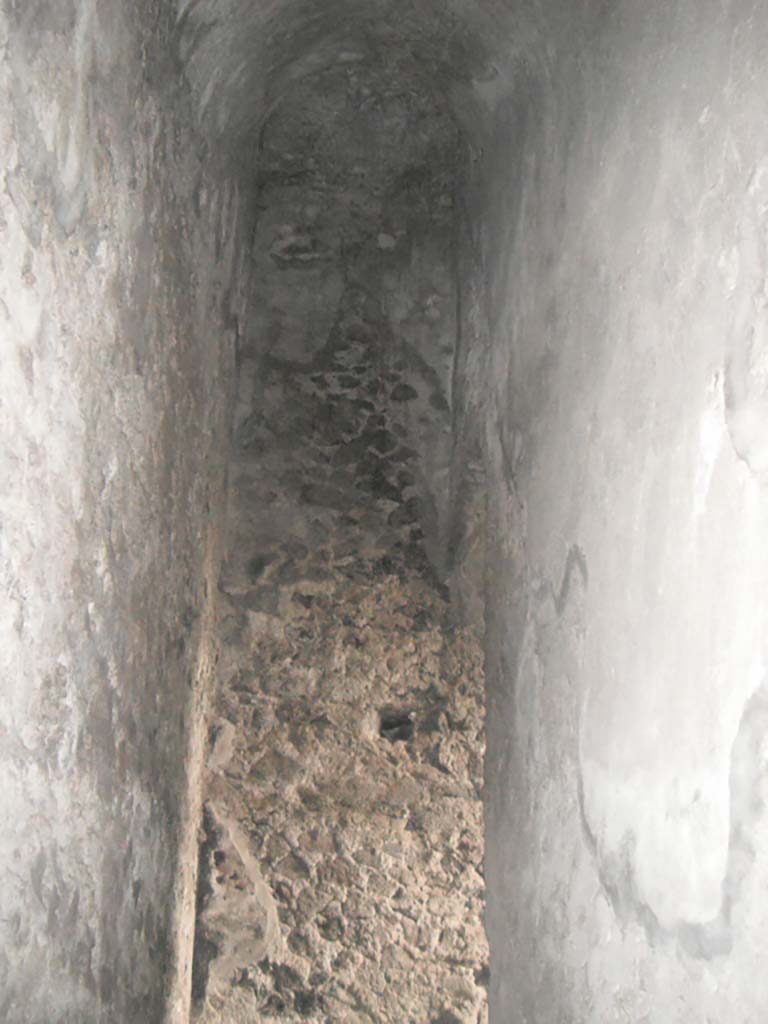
353,153
342,862
343,855
341,873
119,288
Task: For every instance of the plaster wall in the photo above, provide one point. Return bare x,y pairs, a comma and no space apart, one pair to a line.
608,389
619,239
121,284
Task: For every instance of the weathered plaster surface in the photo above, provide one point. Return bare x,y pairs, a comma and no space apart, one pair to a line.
119,277
608,454
624,267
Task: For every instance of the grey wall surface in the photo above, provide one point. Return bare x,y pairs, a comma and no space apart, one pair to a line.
119,286
609,401
620,250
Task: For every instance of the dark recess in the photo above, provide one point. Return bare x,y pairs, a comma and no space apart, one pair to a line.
396,725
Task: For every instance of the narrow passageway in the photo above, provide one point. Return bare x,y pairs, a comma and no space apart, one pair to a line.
383,490
341,873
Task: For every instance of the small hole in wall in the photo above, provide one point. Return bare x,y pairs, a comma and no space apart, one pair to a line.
396,724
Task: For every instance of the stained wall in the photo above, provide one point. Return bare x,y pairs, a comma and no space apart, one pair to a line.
121,288
609,400
618,233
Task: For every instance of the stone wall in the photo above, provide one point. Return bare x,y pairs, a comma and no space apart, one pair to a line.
120,288
610,359
342,860
620,263
356,187
341,874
